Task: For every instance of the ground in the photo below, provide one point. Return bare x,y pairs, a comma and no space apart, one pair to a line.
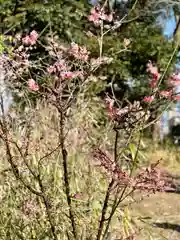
159,214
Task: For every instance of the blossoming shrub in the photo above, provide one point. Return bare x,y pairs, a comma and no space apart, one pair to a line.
63,182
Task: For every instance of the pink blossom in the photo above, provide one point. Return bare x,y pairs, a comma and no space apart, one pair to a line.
176,98
33,85
34,36
26,40
155,74
83,54
148,99
70,75
175,83
110,106
58,66
175,77
166,94
110,102
94,11
103,16
175,80
94,17
78,196
153,70
66,75
109,18
61,65
51,69
152,83
122,111
97,15
74,48
79,52
147,180
114,112
106,17
30,39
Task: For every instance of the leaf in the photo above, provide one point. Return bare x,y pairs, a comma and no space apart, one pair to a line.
133,150
17,19
1,48
126,222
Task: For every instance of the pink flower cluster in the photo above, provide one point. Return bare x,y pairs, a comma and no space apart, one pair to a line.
79,52
111,168
154,73
134,111
148,99
30,39
113,112
71,75
110,105
77,196
57,67
173,81
166,94
63,71
98,15
33,85
147,180
176,98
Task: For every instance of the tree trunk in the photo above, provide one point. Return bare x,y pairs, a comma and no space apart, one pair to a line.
155,132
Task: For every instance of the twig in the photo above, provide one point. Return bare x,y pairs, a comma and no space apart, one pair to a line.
122,197
116,145
104,210
47,207
65,167
105,206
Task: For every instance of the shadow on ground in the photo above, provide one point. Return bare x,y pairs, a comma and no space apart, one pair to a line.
166,225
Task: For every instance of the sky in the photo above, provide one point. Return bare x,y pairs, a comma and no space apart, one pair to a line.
170,26
168,31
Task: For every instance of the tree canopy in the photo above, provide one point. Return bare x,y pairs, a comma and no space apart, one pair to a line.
68,20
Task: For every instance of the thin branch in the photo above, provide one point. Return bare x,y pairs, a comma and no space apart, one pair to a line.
106,200
65,167
116,145
122,197
47,207
104,210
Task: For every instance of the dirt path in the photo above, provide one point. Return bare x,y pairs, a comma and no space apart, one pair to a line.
159,215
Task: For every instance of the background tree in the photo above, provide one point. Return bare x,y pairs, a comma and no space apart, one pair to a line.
68,20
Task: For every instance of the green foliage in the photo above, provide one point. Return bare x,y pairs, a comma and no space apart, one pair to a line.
68,20
3,44
63,17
